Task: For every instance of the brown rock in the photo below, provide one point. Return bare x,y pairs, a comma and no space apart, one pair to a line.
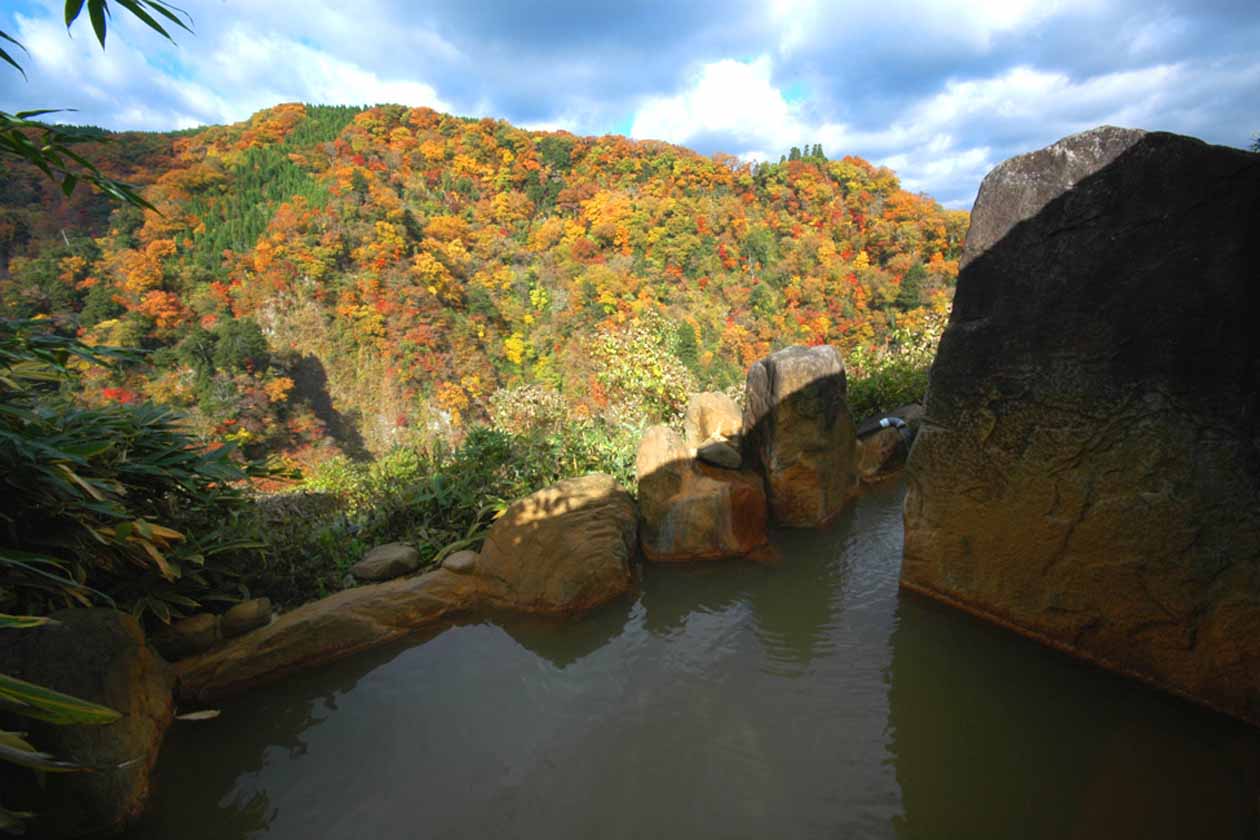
187,636
565,548
98,655
881,453
662,462
708,414
797,427
386,562
245,616
1088,474
692,511
327,629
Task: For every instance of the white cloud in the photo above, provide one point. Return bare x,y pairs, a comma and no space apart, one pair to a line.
938,90
939,144
731,98
223,74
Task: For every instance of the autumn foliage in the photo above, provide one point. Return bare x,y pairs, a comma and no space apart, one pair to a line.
328,278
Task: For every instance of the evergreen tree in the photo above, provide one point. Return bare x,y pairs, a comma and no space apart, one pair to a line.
910,295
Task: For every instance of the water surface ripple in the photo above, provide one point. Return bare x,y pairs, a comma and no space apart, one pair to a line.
724,701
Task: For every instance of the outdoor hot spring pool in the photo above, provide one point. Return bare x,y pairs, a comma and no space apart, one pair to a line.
728,700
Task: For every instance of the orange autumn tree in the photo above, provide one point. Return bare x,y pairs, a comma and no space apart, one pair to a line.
406,254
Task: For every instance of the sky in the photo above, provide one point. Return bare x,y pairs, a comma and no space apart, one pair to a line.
939,91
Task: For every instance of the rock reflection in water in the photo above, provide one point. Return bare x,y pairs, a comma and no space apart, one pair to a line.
726,700
994,736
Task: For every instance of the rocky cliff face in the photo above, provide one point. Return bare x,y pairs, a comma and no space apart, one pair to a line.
1088,473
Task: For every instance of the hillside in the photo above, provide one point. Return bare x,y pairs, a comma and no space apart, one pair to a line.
324,279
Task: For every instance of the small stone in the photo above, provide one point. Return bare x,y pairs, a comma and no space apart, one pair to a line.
719,453
386,562
245,616
461,562
188,637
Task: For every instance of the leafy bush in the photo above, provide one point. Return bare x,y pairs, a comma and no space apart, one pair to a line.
641,375
438,501
896,373
113,504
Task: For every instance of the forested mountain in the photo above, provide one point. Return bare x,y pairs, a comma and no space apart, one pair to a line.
325,278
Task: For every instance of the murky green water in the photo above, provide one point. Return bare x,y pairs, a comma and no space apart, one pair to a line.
809,700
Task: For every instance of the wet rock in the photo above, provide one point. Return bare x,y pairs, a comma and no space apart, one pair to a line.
327,629
245,616
882,453
1089,473
708,414
461,562
386,562
798,429
691,511
187,636
719,453
565,548
97,655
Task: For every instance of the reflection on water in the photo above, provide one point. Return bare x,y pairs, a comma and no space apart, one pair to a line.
727,700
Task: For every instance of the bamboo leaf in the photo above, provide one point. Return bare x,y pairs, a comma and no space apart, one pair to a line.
23,622
44,704
73,8
204,714
96,13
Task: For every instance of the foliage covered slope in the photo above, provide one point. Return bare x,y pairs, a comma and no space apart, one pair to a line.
328,278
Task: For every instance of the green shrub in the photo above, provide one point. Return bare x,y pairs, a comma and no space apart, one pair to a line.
437,501
113,504
894,374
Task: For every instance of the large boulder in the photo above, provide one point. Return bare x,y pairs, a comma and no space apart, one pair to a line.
798,429
1088,471
565,548
694,511
98,655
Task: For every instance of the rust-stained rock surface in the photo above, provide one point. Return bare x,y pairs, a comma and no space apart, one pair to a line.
694,511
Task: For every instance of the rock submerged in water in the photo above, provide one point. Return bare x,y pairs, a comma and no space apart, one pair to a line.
386,562
798,430
1088,473
566,548
98,655
691,511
